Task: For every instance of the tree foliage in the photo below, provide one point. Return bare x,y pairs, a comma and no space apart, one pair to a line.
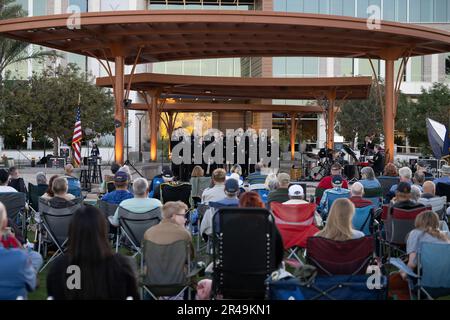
12,51
364,117
433,103
49,101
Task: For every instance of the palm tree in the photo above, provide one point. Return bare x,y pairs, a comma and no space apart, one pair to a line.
13,51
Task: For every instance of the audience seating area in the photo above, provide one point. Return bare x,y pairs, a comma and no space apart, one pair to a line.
242,256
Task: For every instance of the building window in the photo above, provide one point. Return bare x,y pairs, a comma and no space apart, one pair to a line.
447,67
295,66
416,69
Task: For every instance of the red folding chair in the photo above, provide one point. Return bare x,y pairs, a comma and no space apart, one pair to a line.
351,257
296,224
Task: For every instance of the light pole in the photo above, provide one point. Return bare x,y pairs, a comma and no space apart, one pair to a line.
140,116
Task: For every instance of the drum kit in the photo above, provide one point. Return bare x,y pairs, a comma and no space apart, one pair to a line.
318,166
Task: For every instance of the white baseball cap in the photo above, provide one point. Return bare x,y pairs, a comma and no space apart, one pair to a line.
296,191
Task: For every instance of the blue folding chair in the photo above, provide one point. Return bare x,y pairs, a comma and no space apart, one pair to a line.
363,219
74,187
432,277
156,182
331,197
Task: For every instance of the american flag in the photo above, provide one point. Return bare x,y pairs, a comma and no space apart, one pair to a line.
76,140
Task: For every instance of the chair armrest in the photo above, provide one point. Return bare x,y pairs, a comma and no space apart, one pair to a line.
403,267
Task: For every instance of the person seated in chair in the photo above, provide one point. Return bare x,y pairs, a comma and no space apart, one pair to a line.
403,198
281,193
121,193
337,190
356,196
296,195
217,191
108,178
426,230
339,223
369,181
16,181
325,183
167,177
141,203
73,182
17,276
419,180
405,175
49,193
61,198
41,179
230,200
429,190
172,226
4,179
9,240
104,274
257,177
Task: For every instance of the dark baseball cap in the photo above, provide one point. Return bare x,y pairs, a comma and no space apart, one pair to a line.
231,186
120,176
337,180
167,172
404,187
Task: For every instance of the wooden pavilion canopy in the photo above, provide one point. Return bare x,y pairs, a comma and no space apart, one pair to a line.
132,37
176,86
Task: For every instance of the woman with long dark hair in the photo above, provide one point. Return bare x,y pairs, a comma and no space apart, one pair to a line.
103,274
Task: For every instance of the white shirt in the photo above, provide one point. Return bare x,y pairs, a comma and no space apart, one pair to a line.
7,189
215,193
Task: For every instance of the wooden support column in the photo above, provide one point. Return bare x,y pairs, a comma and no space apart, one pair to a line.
293,134
119,115
389,118
154,127
331,118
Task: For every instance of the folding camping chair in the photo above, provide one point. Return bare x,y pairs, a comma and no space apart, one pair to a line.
387,182
398,223
331,198
375,195
176,192
363,219
167,271
432,277
156,182
437,204
56,224
199,184
201,209
109,209
341,270
34,193
262,190
74,187
243,253
296,224
133,226
15,204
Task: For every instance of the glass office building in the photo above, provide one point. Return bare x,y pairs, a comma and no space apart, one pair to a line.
420,71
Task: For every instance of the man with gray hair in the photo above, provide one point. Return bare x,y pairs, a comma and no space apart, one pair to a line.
405,175
41,179
141,203
357,194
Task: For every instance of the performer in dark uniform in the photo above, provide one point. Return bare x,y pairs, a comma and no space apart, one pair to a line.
95,152
368,148
377,161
